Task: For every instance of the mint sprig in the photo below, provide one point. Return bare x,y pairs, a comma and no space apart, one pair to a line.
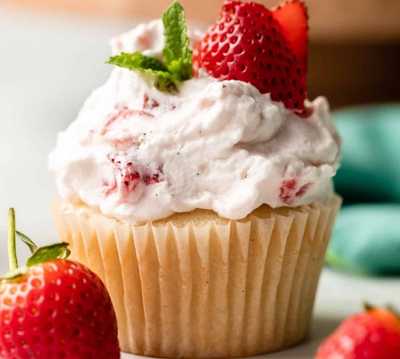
147,65
176,64
177,53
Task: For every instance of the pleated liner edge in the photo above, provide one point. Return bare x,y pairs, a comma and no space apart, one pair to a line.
196,285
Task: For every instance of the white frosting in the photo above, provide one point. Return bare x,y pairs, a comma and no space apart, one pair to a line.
138,154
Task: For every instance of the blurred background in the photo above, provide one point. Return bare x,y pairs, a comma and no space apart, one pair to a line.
355,44
52,55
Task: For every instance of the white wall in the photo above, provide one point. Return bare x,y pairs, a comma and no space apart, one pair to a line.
48,66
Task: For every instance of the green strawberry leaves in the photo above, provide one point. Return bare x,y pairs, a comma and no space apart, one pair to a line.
176,65
38,254
48,253
137,61
29,243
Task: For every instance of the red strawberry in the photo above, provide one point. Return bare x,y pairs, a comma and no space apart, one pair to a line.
374,334
54,308
249,44
293,18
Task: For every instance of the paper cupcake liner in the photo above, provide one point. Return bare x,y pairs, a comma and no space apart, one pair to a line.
197,285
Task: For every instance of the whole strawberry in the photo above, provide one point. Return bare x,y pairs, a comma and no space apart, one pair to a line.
54,308
267,48
373,334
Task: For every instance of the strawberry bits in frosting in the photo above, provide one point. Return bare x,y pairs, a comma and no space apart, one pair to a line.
138,154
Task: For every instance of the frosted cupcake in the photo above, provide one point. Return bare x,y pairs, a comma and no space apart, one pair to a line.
204,202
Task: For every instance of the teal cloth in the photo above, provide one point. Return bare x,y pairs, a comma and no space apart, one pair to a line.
366,238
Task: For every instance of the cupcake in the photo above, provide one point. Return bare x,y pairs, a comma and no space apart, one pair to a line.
198,184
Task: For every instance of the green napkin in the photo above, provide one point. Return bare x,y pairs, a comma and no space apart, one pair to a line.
367,235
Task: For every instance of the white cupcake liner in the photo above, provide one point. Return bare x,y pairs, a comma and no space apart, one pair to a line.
197,285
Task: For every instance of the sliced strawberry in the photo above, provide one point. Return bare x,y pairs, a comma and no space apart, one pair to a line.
249,44
293,18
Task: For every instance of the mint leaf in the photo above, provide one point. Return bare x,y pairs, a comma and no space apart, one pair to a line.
137,61
177,53
163,79
48,253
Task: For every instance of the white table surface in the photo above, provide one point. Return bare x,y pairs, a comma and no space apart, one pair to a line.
48,65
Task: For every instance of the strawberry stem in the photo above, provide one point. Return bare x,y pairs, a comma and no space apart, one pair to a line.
12,247
368,306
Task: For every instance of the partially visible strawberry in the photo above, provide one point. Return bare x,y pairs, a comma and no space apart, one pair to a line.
252,44
373,334
293,18
54,308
